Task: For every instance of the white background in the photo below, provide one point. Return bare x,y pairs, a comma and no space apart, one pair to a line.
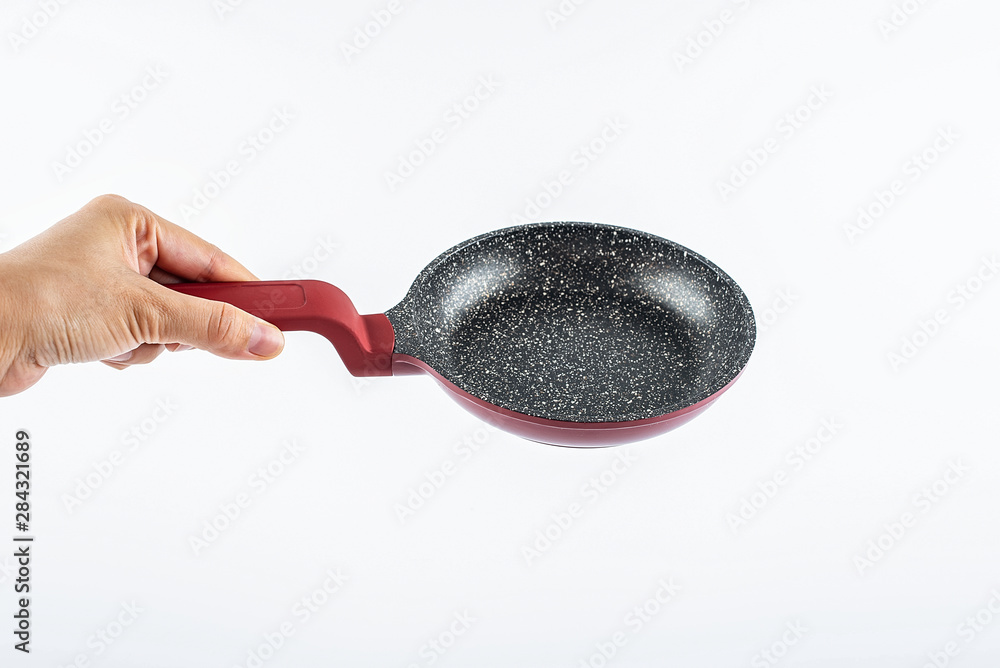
832,308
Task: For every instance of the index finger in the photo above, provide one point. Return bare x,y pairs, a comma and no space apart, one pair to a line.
186,255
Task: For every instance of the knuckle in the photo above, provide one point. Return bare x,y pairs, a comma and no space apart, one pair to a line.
226,327
108,201
145,225
149,314
113,209
214,258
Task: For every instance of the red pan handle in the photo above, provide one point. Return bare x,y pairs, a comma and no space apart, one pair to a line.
365,342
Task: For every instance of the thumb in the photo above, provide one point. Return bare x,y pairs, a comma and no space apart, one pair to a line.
218,327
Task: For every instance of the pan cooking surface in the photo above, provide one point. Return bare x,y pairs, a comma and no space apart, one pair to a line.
577,322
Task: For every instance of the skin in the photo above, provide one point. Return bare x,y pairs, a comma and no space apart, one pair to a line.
91,288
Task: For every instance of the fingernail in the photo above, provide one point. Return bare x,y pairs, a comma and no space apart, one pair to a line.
124,357
265,341
182,347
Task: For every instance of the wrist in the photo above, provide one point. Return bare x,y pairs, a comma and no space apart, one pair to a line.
11,329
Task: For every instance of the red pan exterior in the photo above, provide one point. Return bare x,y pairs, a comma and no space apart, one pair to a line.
559,432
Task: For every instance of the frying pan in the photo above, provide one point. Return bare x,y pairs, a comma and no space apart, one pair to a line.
576,334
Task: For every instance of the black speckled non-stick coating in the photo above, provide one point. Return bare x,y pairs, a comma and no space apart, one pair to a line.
578,322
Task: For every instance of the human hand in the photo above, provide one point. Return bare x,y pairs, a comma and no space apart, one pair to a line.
90,288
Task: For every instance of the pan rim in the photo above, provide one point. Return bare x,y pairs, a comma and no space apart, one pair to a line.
742,319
